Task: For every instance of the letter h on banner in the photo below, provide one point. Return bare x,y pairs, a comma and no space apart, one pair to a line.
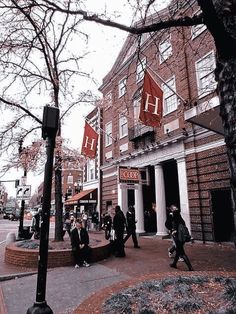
90,140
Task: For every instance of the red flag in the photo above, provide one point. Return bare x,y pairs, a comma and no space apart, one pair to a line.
90,140
151,102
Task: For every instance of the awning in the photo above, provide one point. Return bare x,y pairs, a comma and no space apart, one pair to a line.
81,195
207,115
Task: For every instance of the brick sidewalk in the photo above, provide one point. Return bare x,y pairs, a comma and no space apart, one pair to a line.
152,258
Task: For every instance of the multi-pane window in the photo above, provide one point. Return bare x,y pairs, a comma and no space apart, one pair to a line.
91,170
108,100
205,74
70,179
108,136
122,87
123,125
140,69
170,98
165,49
197,30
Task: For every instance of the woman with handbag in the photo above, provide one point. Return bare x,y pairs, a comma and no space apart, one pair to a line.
179,238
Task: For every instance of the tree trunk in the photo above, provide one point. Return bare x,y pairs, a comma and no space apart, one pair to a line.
58,205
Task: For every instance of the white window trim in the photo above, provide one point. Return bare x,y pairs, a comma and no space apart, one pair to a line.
207,92
122,116
141,66
123,87
165,85
163,58
107,136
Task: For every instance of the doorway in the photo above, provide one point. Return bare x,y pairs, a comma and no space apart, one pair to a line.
222,214
171,183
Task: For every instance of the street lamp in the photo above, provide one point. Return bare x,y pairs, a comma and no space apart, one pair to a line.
75,186
49,131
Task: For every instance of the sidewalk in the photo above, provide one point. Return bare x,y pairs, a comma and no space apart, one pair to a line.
67,287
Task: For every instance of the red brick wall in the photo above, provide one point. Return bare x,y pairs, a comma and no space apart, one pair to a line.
28,258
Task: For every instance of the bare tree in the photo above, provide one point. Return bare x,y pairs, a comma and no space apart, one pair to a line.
220,18
39,67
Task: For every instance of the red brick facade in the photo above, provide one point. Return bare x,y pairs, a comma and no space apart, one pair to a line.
193,159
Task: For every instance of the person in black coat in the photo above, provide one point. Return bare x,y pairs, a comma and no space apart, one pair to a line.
177,221
131,226
80,244
119,227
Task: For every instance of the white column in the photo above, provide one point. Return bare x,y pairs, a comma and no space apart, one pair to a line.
139,213
122,198
160,200
183,191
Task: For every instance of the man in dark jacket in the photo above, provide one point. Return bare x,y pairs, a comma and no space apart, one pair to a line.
80,244
119,227
131,226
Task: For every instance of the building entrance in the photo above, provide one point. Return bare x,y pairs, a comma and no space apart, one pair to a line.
171,183
222,213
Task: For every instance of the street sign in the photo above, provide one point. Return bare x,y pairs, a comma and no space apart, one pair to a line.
23,192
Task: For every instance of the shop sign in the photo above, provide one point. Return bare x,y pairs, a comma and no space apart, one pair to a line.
129,175
129,186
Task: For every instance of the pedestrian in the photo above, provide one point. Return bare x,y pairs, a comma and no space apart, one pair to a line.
107,224
119,227
67,223
169,226
95,219
131,226
85,219
178,223
80,244
35,224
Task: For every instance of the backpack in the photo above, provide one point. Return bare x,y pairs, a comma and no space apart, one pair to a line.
183,234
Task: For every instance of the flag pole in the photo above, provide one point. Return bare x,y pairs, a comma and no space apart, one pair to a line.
180,97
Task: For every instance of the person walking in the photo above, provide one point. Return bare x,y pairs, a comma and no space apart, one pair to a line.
67,223
178,222
131,226
107,224
119,227
80,244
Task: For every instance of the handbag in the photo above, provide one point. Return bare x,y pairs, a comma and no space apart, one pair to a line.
183,234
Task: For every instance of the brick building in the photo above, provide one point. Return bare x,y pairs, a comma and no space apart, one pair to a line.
184,160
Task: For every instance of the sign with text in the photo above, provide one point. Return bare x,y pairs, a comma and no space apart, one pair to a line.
129,175
23,192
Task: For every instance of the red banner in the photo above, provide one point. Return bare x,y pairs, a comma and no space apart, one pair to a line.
90,141
151,102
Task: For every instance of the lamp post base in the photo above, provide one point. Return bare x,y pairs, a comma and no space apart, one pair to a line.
40,308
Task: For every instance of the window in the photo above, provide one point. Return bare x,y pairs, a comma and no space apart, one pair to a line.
108,137
108,100
205,74
136,105
91,170
122,87
140,69
69,193
197,30
170,99
123,125
70,179
165,49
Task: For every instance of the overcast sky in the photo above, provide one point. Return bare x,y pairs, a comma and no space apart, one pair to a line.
104,46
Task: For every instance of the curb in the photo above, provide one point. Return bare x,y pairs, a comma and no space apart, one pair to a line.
15,276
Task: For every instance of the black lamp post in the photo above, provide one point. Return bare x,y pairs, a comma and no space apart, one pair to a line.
49,130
